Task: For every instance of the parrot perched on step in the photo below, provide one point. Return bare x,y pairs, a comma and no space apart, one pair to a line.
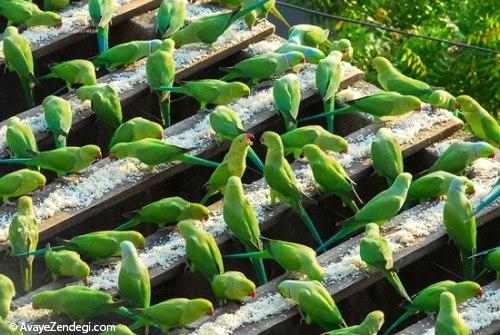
55,5
59,117
20,182
461,224
62,160
313,55
23,237
449,321
287,97
19,59
315,303
461,155
331,176
435,185
310,35
119,330
428,299
77,302
207,29
442,99
105,104
134,285
386,155
344,46
202,251
160,71
370,326
295,140
380,209
20,139
75,71
171,17
482,123
279,176
101,12
21,12
167,211
136,129
153,152
233,164
262,12
232,285
328,78
66,263
7,292
264,66
125,54
491,261
376,252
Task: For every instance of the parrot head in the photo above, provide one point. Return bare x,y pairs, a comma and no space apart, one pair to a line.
271,140
403,179
49,19
243,141
336,54
483,150
186,228
295,58
239,89
235,283
44,300
372,229
119,151
10,31
168,45
286,286
342,45
25,205
465,102
312,152
134,237
375,318
90,153
201,307
411,103
313,55
196,212
465,290
381,64
36,179
127,249
469,186
447,299
82,270
154,45
13,121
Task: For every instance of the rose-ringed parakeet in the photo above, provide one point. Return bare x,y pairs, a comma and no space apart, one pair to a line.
19,183
233,164
21,12
376,252
55,5
171,16
264,66
75,71
136,129
442,99
315,303
380,209
125,54
310,35
166,212
7,292
134,285
279,176
20,139
313,55
343,45
59,117
160,71
370,326
101,12
386,155
19,59
491,261
262,12
435,185
66,263
295,140
152,152
232,285
449,321
331,176
105,104
23,237
287,97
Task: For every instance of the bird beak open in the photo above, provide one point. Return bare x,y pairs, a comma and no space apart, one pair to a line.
252,294
344,151
418,108
98,156
456,105
211,312
492,155
250,138
480,293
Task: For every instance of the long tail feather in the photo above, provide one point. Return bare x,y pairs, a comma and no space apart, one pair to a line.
485,251
468,264
206,197
329,107
251,254
28,93
102,38
40,251
260,270
230,76
343,232
393,278
23,161
129,224
173,89
309,224
399,321
49,75
245,11
199,161
490,198
252,155
274,11
165,111
321,115
27,275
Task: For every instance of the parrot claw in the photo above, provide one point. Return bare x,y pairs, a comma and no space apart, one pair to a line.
8,203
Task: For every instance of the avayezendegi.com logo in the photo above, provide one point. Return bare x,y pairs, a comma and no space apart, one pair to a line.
54,327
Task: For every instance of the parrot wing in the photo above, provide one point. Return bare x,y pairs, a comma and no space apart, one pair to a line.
299,137
60,160
380,208
215,253
203,92
11,184
259,67
406,85
491,130
376,252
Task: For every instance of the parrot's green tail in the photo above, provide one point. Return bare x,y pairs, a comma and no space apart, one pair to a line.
206,197
393,278
251,254
252,155
27,275
28,93
232,75
165,111
260,270
320,115
173,89
484,271
351,203
274,11
49,75
198,161
399,321
468,264
102,38
238,14
41,251
59,141
309,224
23,161
343,232
491,197
129,224
329,107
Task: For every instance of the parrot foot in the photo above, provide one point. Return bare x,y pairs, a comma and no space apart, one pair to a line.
167,230
295,276
302,317
8,203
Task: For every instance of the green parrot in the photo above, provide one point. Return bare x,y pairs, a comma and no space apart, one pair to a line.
331,176
20,139
328,77
66,263
59,117
233,164
7,292
386,155
449,321
153,152
262,12
370,326
77,302
101,12
21,12
461,224
134,285
75,71
232,285
171,17
136,129
461,155
344,46
489,198
119,330
160,71
376,252
295,140
20,182
264,66
287,97
202,251
310,35
125,54
167,211
392,80
105,104
491,261
55,5
313,55
443,99
482,123
315,303
23,237
62,160
380,209
435,185
207,29
211,91
19,59
428,300
282,183
5,329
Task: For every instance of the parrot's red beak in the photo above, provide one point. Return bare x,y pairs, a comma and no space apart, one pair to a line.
34,306
492,155
205,218
211,312
160,137
456,105
344,151
480,293
111,157
252,294
250,138
98,156
303,60
433,108
418,108
41,188
472,191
